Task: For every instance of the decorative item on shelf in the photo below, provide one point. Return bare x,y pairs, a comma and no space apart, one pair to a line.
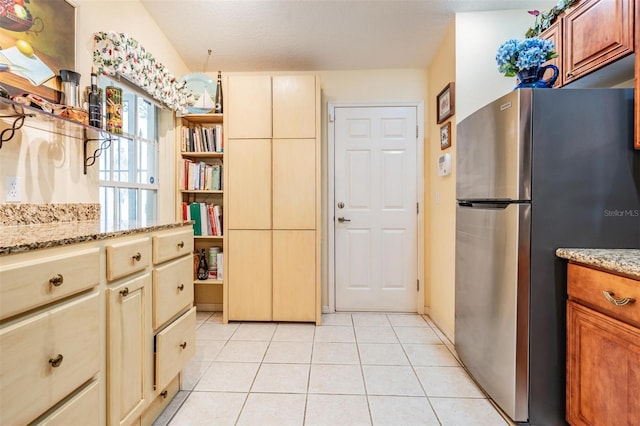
203,266
524,58
545,19
114,109
70,88
218,108
201,90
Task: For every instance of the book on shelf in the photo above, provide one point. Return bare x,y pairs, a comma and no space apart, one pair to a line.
200,176
202,139
207,218
220,262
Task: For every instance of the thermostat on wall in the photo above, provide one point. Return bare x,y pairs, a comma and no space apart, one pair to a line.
444,164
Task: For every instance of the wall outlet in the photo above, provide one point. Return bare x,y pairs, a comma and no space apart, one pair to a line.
13,185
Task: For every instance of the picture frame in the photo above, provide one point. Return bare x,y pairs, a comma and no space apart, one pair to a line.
445,136
445,103
47,29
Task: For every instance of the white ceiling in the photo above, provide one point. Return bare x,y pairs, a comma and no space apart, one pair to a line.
295,35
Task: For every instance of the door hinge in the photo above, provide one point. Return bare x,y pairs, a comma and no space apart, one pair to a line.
417,285
331,116
417,132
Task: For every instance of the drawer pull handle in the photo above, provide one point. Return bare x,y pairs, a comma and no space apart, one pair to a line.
124,292
181,287
618,302
137,257
183,345
55,362
56,280
164,393
181,244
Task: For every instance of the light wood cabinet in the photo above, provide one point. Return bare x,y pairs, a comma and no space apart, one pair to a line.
45,357
172,290
249,183
294,106
294,275
175,346
603,348
248,120
596,33
273,186
250,275
127,257
294,184
128,350
80,409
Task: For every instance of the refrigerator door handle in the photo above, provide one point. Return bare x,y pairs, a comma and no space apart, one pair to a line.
487,205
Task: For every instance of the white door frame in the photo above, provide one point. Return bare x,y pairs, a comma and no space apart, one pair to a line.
331,202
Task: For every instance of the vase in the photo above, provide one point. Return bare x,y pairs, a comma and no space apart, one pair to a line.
532,77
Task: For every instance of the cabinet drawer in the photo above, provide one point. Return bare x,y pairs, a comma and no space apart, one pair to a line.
170,245
29,284
172,289
31,381
161,401
588,286
127,257
175,346
82,409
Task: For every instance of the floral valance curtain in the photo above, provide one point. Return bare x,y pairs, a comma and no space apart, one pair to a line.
119,54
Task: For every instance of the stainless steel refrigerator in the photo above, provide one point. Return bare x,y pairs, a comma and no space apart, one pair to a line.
537,169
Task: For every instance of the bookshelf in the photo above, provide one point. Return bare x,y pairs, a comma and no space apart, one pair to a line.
199,181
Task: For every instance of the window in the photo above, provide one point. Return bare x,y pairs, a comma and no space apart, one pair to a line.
129,168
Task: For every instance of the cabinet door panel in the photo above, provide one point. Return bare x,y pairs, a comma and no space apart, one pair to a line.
175,346
294,276
554,33
249,275
249,183
294,106
128,351
603,369
248,107
294,184
596,33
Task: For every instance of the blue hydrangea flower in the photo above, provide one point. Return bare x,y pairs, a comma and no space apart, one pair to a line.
514,55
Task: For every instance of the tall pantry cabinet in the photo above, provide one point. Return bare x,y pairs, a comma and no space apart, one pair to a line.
273,198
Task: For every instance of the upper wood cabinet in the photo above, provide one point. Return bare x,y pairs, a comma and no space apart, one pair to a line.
554,33
294,106
248,120
596,33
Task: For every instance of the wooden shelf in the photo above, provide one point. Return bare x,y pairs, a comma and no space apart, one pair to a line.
194,191
208,282
208,237
203,118
202,154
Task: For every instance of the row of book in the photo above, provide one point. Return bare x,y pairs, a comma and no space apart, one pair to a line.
202,139
207,218
200,176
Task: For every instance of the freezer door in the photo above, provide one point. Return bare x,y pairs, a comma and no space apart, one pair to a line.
492,299
494,150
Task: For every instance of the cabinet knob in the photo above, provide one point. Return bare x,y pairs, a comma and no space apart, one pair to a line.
183,345
137,257
181,287
618,302
164,393
124,292
56,280
181,244
569,75
55,362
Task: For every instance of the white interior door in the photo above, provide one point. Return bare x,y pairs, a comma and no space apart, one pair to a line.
375,211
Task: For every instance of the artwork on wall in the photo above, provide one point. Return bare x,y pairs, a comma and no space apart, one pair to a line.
445,135
37,40
445,103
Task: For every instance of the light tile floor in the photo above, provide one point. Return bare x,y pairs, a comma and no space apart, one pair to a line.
355,369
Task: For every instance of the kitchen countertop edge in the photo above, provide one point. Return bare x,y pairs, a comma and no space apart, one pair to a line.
25,238
620,261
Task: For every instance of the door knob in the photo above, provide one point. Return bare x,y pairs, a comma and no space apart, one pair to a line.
343,220
340,205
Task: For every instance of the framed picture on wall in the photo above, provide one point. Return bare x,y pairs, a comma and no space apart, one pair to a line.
38,39
445,135
445,103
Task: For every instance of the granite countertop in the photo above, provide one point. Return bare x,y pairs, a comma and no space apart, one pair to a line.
23,238
622,261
